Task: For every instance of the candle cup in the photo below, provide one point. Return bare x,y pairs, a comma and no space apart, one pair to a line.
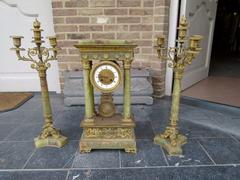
17,41
52,41
194,42
160,41
37,34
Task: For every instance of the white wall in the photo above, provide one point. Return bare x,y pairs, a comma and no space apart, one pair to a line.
16,18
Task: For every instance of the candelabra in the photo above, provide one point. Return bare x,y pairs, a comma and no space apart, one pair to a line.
49,135
177,58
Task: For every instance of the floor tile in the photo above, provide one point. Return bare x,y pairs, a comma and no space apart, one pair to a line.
148,154
19,116
6,129
230,125
33,175
71,115
192,130
141,112
237,138
97,159
32,104
201,104
192,113
159,119
193,154
13,155
71,131
25,132
222,150
14,117
161,113
179,173
164,102
143,130
51,157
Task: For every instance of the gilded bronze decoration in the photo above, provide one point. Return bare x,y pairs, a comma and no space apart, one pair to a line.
49,136
177,58
105,128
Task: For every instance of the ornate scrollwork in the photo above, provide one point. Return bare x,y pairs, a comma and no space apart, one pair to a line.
108,133
177,58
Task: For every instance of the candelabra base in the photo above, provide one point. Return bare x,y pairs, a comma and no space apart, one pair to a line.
50,142
50,137
166,143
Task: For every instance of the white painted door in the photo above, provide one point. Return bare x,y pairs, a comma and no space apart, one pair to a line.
16,17
201,15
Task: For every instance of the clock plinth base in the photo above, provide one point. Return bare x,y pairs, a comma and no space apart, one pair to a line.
108,133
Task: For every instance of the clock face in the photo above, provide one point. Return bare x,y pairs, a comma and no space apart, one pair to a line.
106,76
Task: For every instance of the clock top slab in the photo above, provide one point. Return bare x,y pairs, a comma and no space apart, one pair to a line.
93,44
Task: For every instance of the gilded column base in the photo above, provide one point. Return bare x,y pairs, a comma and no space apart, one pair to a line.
50,137
166,143
87,122
128,122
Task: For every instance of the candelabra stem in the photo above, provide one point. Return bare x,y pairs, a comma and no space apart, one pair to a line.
170,139
49,136
175,100
47,110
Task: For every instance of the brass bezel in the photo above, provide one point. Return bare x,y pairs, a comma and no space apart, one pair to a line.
111,63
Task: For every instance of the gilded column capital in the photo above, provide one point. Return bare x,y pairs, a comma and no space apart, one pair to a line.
41,68
86,65
127,63
84,56
178,74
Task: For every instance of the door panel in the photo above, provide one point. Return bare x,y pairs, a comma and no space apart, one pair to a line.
16,18
201,16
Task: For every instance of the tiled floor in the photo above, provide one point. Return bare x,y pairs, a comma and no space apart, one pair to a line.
209,153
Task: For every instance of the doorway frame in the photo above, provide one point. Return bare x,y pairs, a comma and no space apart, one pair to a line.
176,8
172,33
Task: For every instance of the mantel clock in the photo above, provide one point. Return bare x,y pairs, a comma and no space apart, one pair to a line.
106,67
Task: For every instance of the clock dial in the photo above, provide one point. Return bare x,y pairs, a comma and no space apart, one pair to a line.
106,76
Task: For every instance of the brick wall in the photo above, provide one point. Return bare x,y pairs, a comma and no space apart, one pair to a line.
137,20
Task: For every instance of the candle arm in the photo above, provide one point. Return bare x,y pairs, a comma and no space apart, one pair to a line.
23,58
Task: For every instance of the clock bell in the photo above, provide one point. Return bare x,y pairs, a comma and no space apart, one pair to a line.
107,67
